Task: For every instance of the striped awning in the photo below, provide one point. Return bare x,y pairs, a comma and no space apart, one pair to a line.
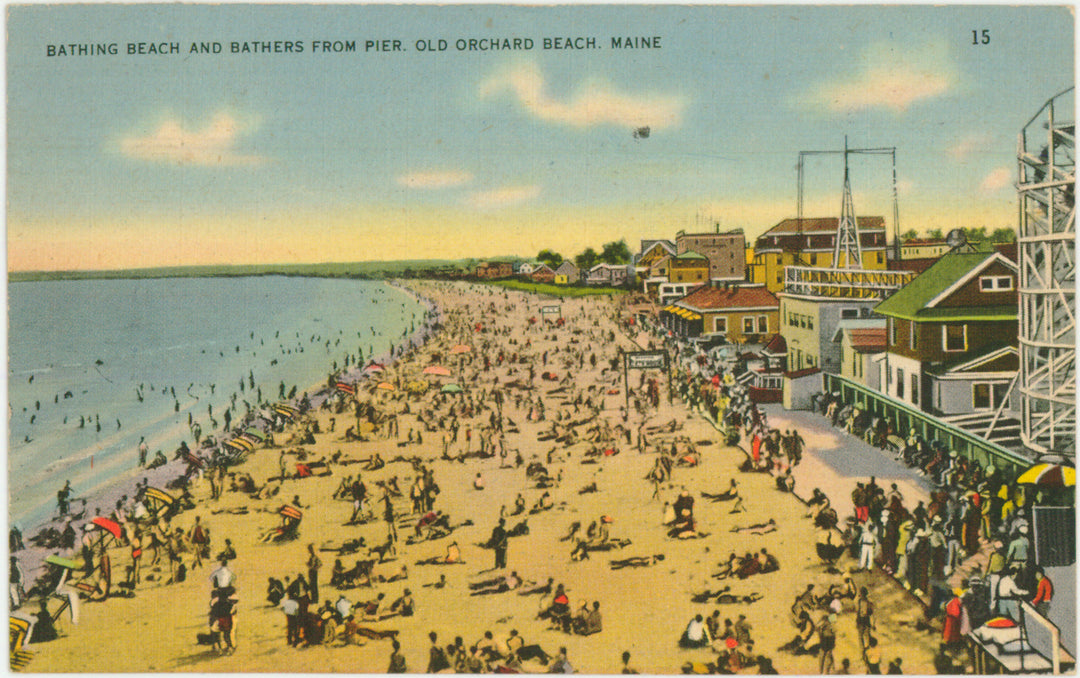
684,313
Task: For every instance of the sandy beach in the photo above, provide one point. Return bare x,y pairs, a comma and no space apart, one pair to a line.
644,609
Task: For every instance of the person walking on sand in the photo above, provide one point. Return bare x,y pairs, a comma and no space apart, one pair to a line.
397,660
499,542
144,449
313,565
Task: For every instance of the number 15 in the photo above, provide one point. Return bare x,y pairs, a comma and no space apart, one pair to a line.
980,37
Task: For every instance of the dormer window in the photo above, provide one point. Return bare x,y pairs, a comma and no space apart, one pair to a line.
995,283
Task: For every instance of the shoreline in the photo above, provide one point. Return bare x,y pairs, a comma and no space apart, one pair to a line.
109,492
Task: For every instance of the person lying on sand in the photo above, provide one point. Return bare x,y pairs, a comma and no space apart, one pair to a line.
497,585
542,589
452,557
724,597
758,528
637,561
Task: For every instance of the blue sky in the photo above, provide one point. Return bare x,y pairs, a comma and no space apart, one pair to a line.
127,161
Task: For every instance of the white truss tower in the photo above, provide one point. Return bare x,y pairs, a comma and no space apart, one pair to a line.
847,228
1047,253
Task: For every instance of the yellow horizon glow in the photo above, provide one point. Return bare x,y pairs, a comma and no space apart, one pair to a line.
388,233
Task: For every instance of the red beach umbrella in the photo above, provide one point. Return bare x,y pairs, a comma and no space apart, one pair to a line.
110,526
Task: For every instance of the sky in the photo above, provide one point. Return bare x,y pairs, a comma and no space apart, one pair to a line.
139,160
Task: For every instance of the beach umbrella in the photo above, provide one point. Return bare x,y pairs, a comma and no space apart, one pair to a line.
291,512
460,348
450,388
437,370
62,562
159,496
386,386
345,388
1048,475
374,367
109,526
256,434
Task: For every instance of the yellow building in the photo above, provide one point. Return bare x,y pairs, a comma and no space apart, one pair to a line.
810,242
689,267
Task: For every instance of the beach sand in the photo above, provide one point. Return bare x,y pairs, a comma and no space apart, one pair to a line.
644,609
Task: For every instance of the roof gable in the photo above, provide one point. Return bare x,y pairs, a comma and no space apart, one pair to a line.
967,277
935,283
650,245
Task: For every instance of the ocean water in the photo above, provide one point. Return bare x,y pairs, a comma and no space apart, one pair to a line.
94,365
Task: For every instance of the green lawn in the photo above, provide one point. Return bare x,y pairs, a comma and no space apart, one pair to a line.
553,290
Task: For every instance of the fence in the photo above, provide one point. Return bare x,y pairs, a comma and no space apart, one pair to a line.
904,418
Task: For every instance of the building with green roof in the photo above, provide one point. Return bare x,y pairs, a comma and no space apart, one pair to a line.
959,310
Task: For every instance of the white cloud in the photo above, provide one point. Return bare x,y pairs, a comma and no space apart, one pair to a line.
435,180
890,77
214,145
996,180
498,198
594,103
967,146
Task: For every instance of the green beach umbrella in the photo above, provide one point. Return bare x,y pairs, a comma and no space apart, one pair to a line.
450,388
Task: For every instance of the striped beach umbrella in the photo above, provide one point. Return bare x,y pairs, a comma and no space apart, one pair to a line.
1048,475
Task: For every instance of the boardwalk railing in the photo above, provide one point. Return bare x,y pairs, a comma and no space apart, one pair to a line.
904,417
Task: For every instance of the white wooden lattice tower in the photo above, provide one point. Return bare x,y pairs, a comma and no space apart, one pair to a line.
847,248
1046,155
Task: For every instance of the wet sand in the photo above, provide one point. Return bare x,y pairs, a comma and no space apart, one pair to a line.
644,609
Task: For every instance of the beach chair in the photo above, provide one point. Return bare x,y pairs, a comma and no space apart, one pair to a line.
18,631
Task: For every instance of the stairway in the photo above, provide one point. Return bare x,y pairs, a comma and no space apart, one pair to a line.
1006,430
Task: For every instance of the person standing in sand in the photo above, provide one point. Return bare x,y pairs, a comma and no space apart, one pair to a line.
313,565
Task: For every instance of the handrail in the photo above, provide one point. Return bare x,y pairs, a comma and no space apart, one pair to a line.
944,426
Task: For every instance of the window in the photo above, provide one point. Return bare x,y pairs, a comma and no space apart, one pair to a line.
899,383
763,324
802,321
880,257
809,322
995,283
849,313
913,335
892,332
914,389
954,337
987,396
720,324
748,325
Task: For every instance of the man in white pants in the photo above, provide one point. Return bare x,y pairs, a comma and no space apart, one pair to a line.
867,543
